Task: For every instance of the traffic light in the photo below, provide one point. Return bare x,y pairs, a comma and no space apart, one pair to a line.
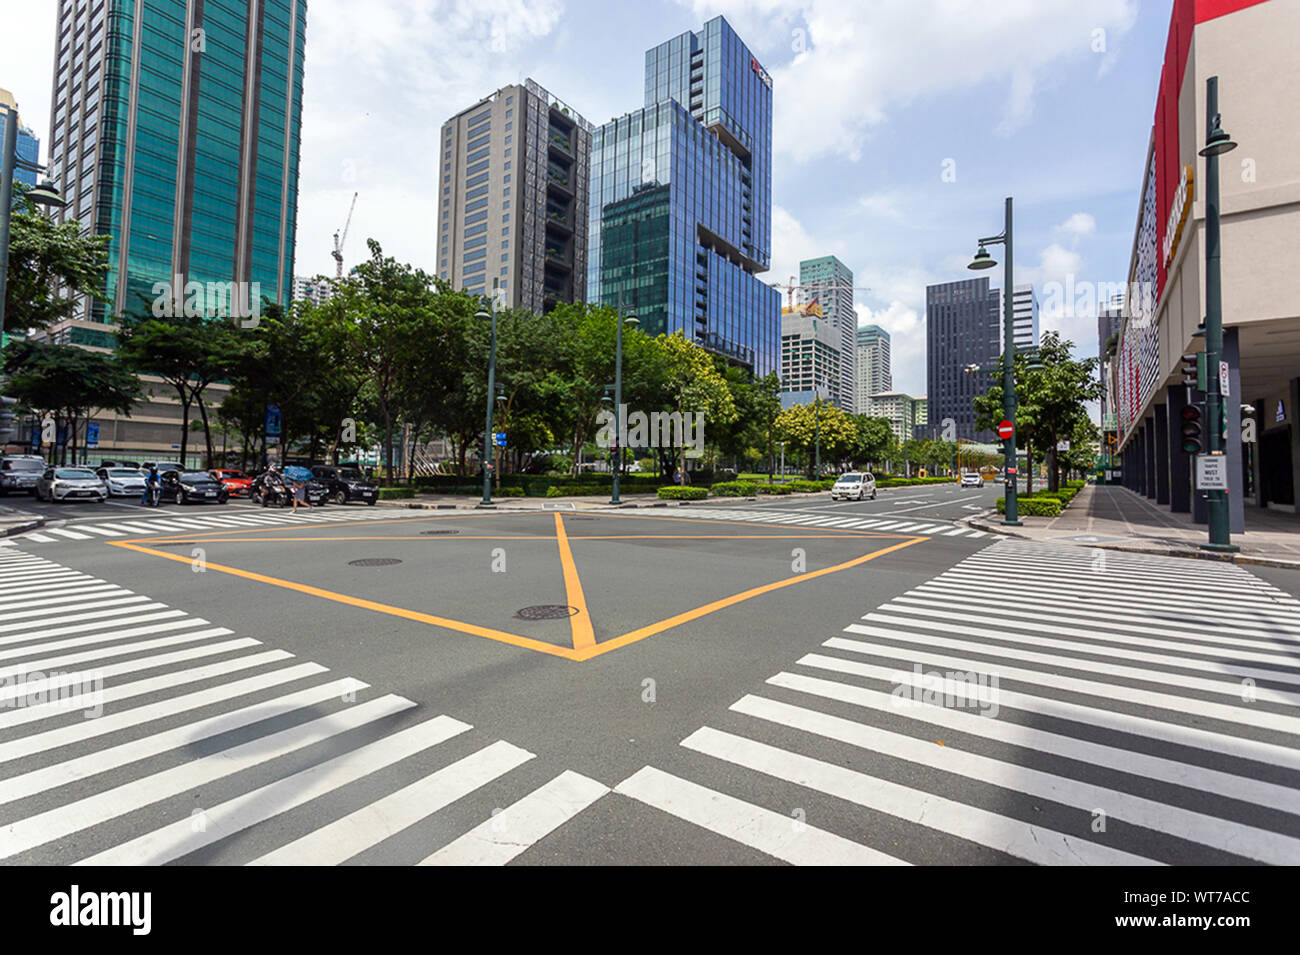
8,421
1194,370
1193,430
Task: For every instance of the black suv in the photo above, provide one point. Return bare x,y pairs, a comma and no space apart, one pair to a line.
346,484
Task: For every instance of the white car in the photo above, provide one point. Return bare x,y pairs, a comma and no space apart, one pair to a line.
70,484
972,479
122,482
855,486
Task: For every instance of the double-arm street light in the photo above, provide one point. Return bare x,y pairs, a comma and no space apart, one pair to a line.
1217,142
983,260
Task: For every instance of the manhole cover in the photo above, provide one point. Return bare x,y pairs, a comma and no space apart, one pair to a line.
437,533
374,562
546,612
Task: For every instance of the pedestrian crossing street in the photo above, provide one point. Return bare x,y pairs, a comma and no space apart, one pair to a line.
1036,703
840,521
211,745
1147,712
201,520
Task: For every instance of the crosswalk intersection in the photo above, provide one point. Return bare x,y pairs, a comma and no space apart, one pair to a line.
1033,703
1187,751
203,520
837,521
219,735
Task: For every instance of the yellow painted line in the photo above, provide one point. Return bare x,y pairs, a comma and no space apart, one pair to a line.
474,629
584,636
716,605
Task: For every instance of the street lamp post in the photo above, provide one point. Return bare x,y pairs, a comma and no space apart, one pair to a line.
983,260
1217,141
491,396
631,322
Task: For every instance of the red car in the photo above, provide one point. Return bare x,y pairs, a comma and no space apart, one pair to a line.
236,483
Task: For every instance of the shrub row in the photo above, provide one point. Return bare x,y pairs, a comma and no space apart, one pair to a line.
1033,506
775,489
678,493
396,493
735,489
908,482
573,490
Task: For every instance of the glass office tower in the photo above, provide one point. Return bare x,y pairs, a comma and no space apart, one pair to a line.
174,129
681,193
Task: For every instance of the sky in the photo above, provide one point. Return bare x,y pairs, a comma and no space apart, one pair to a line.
900,126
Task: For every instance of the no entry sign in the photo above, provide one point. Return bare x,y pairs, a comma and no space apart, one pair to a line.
1006,429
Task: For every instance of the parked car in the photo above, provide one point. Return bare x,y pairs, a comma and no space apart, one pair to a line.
163,466
236,483
345,484
191,487
122,481
19,473
972,479
70,484
854,485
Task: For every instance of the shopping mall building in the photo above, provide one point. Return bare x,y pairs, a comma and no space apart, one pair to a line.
1251,46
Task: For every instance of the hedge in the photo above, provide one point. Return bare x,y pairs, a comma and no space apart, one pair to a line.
1033,506
396,493
678,493
573,490
735,489
775,489
908,482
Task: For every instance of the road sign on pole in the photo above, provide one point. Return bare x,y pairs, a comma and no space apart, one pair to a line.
92,435
1211,472
1006,429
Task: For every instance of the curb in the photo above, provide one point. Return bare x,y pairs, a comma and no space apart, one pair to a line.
31,525
1165,550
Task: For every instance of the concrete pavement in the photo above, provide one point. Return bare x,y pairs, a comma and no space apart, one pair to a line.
1116,518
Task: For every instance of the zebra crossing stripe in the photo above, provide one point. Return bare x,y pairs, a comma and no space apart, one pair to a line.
38,538
99,624
101,531
107,597
521,824
183,837
138,716
1192,776
63,821
124,691
1002,833
769,832
1216,832
73,535
354,833
49,778
103,653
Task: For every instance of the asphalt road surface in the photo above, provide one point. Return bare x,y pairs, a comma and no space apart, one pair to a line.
747,682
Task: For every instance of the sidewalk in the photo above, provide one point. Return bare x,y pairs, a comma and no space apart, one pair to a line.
14,521
1116,518
590,502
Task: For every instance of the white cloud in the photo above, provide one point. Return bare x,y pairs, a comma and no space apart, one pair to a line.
865,61
1079,224
906,327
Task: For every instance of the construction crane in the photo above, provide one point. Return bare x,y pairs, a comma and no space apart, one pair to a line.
338,241
828,287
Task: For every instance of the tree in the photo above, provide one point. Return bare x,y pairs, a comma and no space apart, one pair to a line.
875,441
1052,389
68,384
189,354
692,384
803,426
44,254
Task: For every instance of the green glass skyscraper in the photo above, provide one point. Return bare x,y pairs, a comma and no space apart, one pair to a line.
175,129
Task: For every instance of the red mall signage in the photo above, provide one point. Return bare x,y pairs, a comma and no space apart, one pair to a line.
762,73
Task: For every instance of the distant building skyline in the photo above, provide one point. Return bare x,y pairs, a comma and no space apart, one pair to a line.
873,371
963,342
29,145
829,282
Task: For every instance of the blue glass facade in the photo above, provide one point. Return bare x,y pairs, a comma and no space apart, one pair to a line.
680,214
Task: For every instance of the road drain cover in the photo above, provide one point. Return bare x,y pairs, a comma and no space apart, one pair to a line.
434,533
374,562
546,612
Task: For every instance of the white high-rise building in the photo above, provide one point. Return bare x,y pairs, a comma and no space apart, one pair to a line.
830,282
873,372
310,288
1024,306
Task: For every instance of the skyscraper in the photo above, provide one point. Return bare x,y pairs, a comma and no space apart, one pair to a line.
830,282
512,199
1024,306
680,218
810,357
963,341
873,371
28,148
174,129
